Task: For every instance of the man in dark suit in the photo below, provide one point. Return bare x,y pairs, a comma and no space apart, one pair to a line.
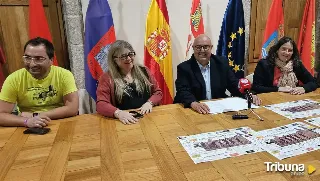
205,76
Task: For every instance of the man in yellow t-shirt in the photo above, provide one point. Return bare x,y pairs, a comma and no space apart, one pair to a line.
42,91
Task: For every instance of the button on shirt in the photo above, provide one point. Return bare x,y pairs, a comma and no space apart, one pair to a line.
205,71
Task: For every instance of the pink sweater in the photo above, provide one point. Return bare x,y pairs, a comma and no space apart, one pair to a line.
106,101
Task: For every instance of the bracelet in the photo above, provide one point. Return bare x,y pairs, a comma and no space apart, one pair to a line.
25,122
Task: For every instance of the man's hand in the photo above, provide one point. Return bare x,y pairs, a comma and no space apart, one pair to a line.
297,91
26,114
256,100
200,107
38,121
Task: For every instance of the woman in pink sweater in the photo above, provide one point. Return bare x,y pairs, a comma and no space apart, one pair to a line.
126,85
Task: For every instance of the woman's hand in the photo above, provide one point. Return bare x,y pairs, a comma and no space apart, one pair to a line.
146,108
285,89
297,91
126,117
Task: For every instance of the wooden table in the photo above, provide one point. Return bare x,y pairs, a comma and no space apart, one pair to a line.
90,147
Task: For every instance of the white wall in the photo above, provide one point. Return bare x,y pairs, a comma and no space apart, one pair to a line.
129,17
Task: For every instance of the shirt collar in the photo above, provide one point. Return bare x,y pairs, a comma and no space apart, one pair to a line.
203,67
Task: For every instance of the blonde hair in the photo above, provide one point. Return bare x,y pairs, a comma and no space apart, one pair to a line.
140,79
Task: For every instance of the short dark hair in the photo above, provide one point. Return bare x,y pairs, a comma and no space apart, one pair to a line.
41,41
272,54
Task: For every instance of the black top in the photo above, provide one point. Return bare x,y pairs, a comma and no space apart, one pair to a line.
190,84
134,100
264,74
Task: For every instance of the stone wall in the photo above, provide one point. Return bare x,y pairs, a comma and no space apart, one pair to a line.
72,14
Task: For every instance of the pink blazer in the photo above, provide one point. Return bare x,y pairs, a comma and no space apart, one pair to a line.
106,101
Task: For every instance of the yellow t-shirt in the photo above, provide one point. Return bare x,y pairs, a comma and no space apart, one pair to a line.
33,95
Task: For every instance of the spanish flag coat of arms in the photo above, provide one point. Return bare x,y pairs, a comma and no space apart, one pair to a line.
157,50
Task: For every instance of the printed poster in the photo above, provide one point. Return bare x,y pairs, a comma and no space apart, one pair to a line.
220,144
314,121
289,140
296,109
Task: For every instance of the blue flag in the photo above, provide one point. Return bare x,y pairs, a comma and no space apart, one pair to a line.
99,35
232,37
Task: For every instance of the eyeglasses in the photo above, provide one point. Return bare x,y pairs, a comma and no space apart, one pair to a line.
125,56
36,59
205,47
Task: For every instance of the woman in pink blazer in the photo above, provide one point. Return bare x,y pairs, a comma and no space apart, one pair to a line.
126,85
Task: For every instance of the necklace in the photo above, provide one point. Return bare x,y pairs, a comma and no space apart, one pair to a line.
128,79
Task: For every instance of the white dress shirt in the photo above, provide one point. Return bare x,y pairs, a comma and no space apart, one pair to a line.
205,71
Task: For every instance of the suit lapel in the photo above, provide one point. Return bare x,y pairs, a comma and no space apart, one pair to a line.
199,77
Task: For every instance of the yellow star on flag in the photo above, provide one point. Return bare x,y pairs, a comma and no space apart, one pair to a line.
231,63
233,36
230,45
240,31
236,68
229,54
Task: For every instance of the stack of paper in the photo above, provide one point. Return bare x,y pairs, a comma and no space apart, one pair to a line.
228,104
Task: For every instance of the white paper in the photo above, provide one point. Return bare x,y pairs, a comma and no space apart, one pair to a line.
220,144
228,104
314,121
296,109
289,140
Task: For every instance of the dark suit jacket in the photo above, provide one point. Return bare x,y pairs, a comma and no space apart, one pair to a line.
318,79
264,74
190,84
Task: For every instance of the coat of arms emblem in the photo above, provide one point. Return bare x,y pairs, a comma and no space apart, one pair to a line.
158,43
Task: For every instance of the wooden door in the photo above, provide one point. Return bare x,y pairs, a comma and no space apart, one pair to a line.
14,28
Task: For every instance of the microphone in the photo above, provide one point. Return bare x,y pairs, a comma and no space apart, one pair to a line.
244,87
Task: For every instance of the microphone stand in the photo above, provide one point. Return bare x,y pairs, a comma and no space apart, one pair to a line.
249,100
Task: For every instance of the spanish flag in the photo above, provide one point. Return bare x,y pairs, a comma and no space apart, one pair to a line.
306,42
157,50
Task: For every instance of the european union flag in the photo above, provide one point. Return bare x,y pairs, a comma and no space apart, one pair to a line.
232,37
99,35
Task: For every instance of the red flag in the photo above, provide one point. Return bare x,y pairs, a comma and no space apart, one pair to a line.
306,42
38,25
274,27
157,51
196,25
2,61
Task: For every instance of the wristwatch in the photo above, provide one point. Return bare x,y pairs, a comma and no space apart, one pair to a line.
35,114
